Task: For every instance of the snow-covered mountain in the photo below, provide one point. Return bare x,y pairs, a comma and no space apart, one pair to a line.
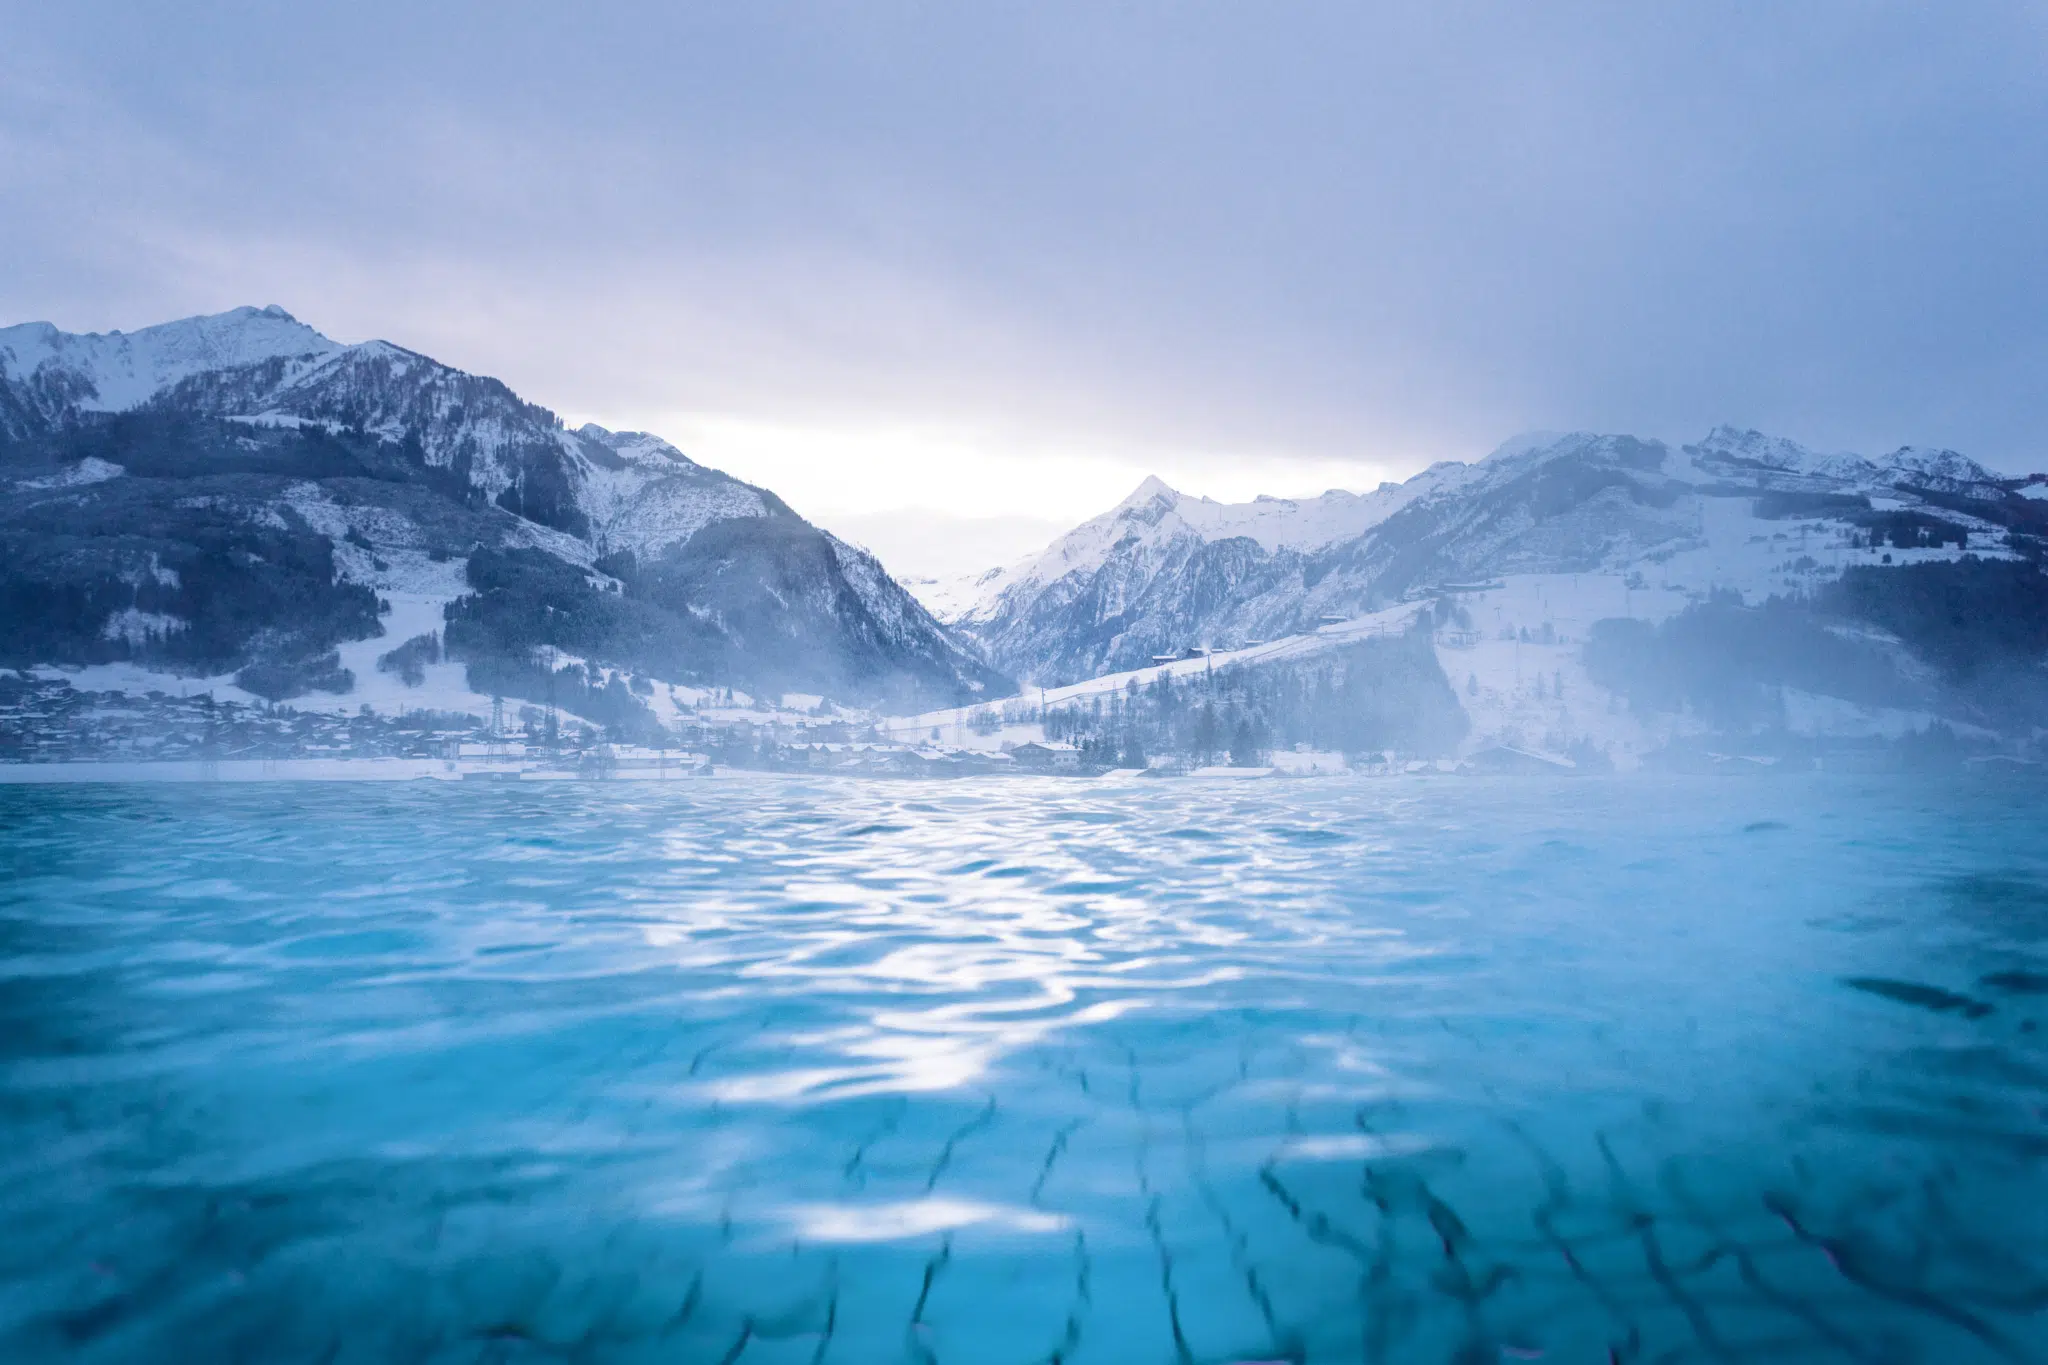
51,375
1155,519
268,422
1135,579
1583,599
619,490
1163,572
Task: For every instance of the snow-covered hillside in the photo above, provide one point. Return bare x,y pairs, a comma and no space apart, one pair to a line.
1162,572
1530,550
432,459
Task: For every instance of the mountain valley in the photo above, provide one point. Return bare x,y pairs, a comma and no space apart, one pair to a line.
240,506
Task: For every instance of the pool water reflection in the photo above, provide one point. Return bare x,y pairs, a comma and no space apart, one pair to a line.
771,1070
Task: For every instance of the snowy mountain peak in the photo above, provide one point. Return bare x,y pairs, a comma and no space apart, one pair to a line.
1938,469
637,447
380,350
1942,469
1517,445
115,371
1771,452
1150,490
1153,530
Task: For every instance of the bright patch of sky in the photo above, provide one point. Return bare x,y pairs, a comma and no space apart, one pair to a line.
940,502
1002,262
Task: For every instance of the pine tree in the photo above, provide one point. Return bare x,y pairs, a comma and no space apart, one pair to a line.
1244,746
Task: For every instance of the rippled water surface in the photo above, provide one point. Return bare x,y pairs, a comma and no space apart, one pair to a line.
797,1071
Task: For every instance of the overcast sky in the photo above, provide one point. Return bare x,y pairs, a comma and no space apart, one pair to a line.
1004,260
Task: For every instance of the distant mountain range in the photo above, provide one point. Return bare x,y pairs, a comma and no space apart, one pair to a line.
239,494
1861,595
240,499
1163,571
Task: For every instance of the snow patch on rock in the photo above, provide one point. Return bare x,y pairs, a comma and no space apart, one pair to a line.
92,469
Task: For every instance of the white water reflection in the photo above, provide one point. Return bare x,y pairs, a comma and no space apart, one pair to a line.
915,1218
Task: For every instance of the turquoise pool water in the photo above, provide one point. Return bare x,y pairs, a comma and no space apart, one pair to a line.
775,1070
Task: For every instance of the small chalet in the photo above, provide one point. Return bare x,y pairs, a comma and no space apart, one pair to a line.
1046,757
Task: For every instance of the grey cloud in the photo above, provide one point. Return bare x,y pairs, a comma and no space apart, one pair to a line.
1342,231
